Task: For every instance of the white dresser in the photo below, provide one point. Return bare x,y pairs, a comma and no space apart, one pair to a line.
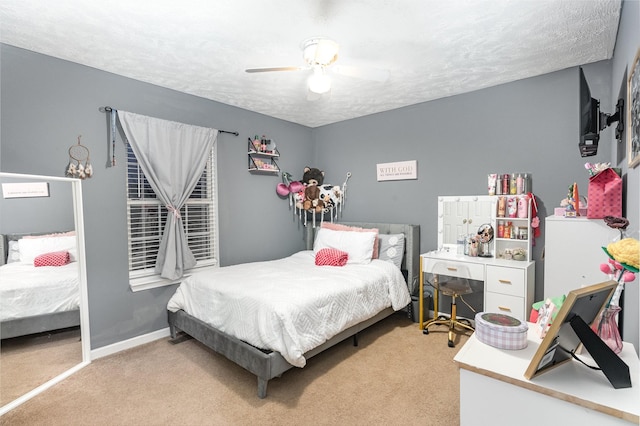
508,284
573,253
494,391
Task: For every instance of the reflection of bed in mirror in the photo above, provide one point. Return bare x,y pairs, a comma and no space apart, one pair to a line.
42,344
36,299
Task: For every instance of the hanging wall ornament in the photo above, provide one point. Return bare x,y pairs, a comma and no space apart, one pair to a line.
79,161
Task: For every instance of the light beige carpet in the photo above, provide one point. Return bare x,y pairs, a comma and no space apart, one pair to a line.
396,375
29,361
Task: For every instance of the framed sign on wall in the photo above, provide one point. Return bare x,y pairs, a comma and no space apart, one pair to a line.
400,170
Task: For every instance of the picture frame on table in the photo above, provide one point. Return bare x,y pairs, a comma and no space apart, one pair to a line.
633,113
571,330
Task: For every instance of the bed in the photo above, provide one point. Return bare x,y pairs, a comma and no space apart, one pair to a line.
43,298
285,340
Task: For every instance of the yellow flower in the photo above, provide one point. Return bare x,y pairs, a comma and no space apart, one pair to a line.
626,251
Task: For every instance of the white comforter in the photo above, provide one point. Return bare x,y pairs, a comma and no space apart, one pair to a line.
26,290
290,305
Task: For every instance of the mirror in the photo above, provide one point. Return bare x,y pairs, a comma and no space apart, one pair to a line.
44,321
485,236
462,215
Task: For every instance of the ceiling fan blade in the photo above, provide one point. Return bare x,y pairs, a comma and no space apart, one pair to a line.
373,74
253,70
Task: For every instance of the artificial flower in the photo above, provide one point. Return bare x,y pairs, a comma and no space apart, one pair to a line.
624,257
625,251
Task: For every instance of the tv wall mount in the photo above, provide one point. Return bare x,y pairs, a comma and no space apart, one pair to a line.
607,120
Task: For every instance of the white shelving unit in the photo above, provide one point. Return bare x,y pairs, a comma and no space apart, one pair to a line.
508,284
573,253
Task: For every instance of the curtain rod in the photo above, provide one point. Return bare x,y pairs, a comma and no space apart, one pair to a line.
109,109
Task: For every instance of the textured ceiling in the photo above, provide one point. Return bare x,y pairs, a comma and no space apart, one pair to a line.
431,49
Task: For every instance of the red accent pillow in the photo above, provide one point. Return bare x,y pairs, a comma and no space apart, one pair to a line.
340,227
58,258
331,257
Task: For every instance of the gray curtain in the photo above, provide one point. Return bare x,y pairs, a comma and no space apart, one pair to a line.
172,156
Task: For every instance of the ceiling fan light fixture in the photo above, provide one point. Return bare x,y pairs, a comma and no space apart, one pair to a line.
320,51
319,82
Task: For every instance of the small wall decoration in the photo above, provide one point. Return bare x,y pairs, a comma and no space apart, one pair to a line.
79,161
633,113
402,170
25,190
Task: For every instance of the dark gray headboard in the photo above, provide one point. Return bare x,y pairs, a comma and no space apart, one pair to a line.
4,245
5,238
3,250
411,259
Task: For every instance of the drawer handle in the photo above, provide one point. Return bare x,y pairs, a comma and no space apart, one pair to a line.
505,281
504,308
451,268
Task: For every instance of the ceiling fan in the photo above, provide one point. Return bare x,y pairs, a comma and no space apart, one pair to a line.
320,55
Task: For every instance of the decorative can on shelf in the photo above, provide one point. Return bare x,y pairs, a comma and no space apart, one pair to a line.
502,206
501,331
523,208
491,183
505,184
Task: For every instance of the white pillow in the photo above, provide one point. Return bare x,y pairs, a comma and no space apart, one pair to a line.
30,248
391,248
358,245
14,252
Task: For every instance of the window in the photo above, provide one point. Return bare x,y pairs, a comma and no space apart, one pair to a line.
146,216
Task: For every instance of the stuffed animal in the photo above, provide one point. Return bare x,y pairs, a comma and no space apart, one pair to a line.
330,196
312,178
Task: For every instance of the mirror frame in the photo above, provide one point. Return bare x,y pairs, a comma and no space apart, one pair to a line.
448,246
85,335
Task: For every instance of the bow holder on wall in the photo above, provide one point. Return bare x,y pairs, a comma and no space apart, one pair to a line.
79,161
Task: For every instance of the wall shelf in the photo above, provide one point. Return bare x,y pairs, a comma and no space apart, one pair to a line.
262,161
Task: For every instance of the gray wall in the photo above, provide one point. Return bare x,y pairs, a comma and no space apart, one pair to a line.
526,126
38,214
627,46
529,125
47,103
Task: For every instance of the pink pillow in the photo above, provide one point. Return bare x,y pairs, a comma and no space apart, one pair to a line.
57,234
58,258
340,227
331,257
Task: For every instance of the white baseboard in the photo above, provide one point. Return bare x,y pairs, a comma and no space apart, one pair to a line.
129,343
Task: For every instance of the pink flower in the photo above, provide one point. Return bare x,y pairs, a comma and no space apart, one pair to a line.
616,264
606,268
628,276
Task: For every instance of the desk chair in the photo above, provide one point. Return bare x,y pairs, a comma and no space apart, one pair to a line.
455,285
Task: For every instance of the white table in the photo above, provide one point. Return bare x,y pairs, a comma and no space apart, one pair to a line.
493,389
509,285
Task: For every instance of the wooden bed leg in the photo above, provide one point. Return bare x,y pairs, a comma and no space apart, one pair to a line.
355,339
262,388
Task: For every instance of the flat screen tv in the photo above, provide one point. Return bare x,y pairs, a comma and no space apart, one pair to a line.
592,120
589,117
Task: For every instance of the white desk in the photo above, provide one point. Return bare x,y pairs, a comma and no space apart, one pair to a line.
508,284
493,389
